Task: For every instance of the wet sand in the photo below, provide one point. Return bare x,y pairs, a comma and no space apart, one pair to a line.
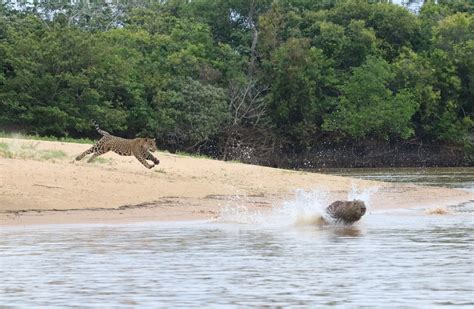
40,183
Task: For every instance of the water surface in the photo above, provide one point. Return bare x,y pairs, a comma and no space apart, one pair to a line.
459,177
388,259
402,258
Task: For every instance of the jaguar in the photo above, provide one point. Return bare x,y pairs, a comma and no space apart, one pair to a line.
138,147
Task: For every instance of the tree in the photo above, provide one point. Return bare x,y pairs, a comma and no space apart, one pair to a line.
454,30
368,108
394,26
189,113
263,75
248,125
302,83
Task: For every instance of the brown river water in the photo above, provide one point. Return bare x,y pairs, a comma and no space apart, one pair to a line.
401,258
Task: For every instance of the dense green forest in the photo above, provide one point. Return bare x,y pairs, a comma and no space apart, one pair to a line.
274,82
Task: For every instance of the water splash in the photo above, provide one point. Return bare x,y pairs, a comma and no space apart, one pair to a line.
363,194
239,214
305,208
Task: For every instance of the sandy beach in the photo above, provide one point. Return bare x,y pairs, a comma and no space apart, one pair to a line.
40,183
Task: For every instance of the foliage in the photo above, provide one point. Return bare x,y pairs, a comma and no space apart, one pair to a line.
367,106
286,74
302,82
189,112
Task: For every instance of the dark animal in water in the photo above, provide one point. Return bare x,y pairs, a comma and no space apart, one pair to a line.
346,212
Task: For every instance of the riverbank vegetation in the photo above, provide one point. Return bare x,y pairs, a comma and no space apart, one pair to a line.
275,82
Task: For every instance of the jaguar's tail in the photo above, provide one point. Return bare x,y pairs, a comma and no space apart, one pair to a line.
99,129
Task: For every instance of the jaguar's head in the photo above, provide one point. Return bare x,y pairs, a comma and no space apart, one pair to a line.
150,144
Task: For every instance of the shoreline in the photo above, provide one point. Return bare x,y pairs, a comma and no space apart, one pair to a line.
40,183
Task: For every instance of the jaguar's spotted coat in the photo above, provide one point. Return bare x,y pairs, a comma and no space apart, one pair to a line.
138,147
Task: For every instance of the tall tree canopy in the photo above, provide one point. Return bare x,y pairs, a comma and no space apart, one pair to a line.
215,73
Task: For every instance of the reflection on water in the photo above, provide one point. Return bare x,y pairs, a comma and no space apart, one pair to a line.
396,259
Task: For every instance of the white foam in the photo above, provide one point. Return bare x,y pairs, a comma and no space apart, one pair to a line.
364,194
305,208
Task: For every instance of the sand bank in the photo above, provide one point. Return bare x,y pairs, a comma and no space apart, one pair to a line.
41,183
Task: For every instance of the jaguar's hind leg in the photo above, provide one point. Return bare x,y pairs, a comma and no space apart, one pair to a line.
97,153
150,157
85,153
